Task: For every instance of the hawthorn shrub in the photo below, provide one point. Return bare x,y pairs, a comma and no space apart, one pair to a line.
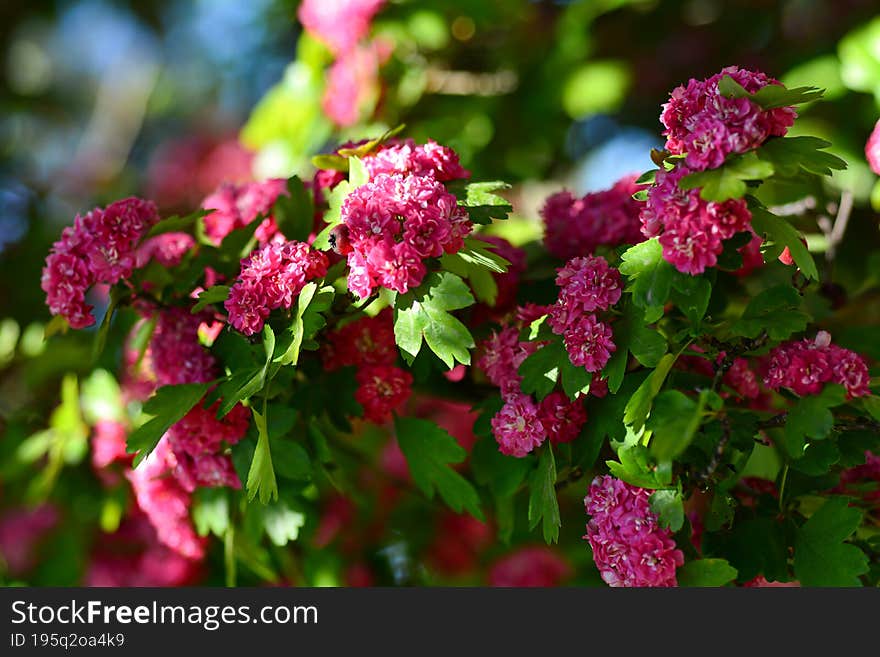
351,378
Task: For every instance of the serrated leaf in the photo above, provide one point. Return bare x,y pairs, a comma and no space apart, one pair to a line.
429,451
770,96
500,473
810,417
706,573
177,223
650,277
821,557
482,204
729,180
776,310
261,476
294,212
691,294
674,420
167,406
639,405
214,294
782,232
282,522
667,505
540,370
543,504
423,314
211,511
789,155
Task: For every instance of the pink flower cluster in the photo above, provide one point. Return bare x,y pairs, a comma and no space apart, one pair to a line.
271,277
167,249
368,344
691,230
707,126
805,366
353,83
339,24
165,501
530,567
100,247
395,222
587,285
411,159
133,556
235,206
629,547
176,356
523,424
872,149
22,530
577,226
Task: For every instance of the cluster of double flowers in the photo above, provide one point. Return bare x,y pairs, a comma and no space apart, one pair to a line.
390,227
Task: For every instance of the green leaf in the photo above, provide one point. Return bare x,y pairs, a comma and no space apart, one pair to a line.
784,234
650,277
821,558
482,204
667,505
373,144
240,242
330,162
261,476
639,405
776,310
423,314
674,420
542,497
810,417
729,180
429,450
691,294
167,406
636,468
294,212
706,573
575,380
177,223
540,370
770,96
214,294
282,522
296,331
605,420
500,473
789,155
211,511
101,336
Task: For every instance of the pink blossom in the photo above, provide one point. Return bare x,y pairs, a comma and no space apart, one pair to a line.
805,367
530,567
108,444
517,426
235,206
561,417
408,158
176,354
589,343
577,226
393,223
629,547
587,284
353,83
381,390
271,278
501,355
21,532
706,126
872,149
165,502
100,247
691,230
339,24
133,556
167,249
